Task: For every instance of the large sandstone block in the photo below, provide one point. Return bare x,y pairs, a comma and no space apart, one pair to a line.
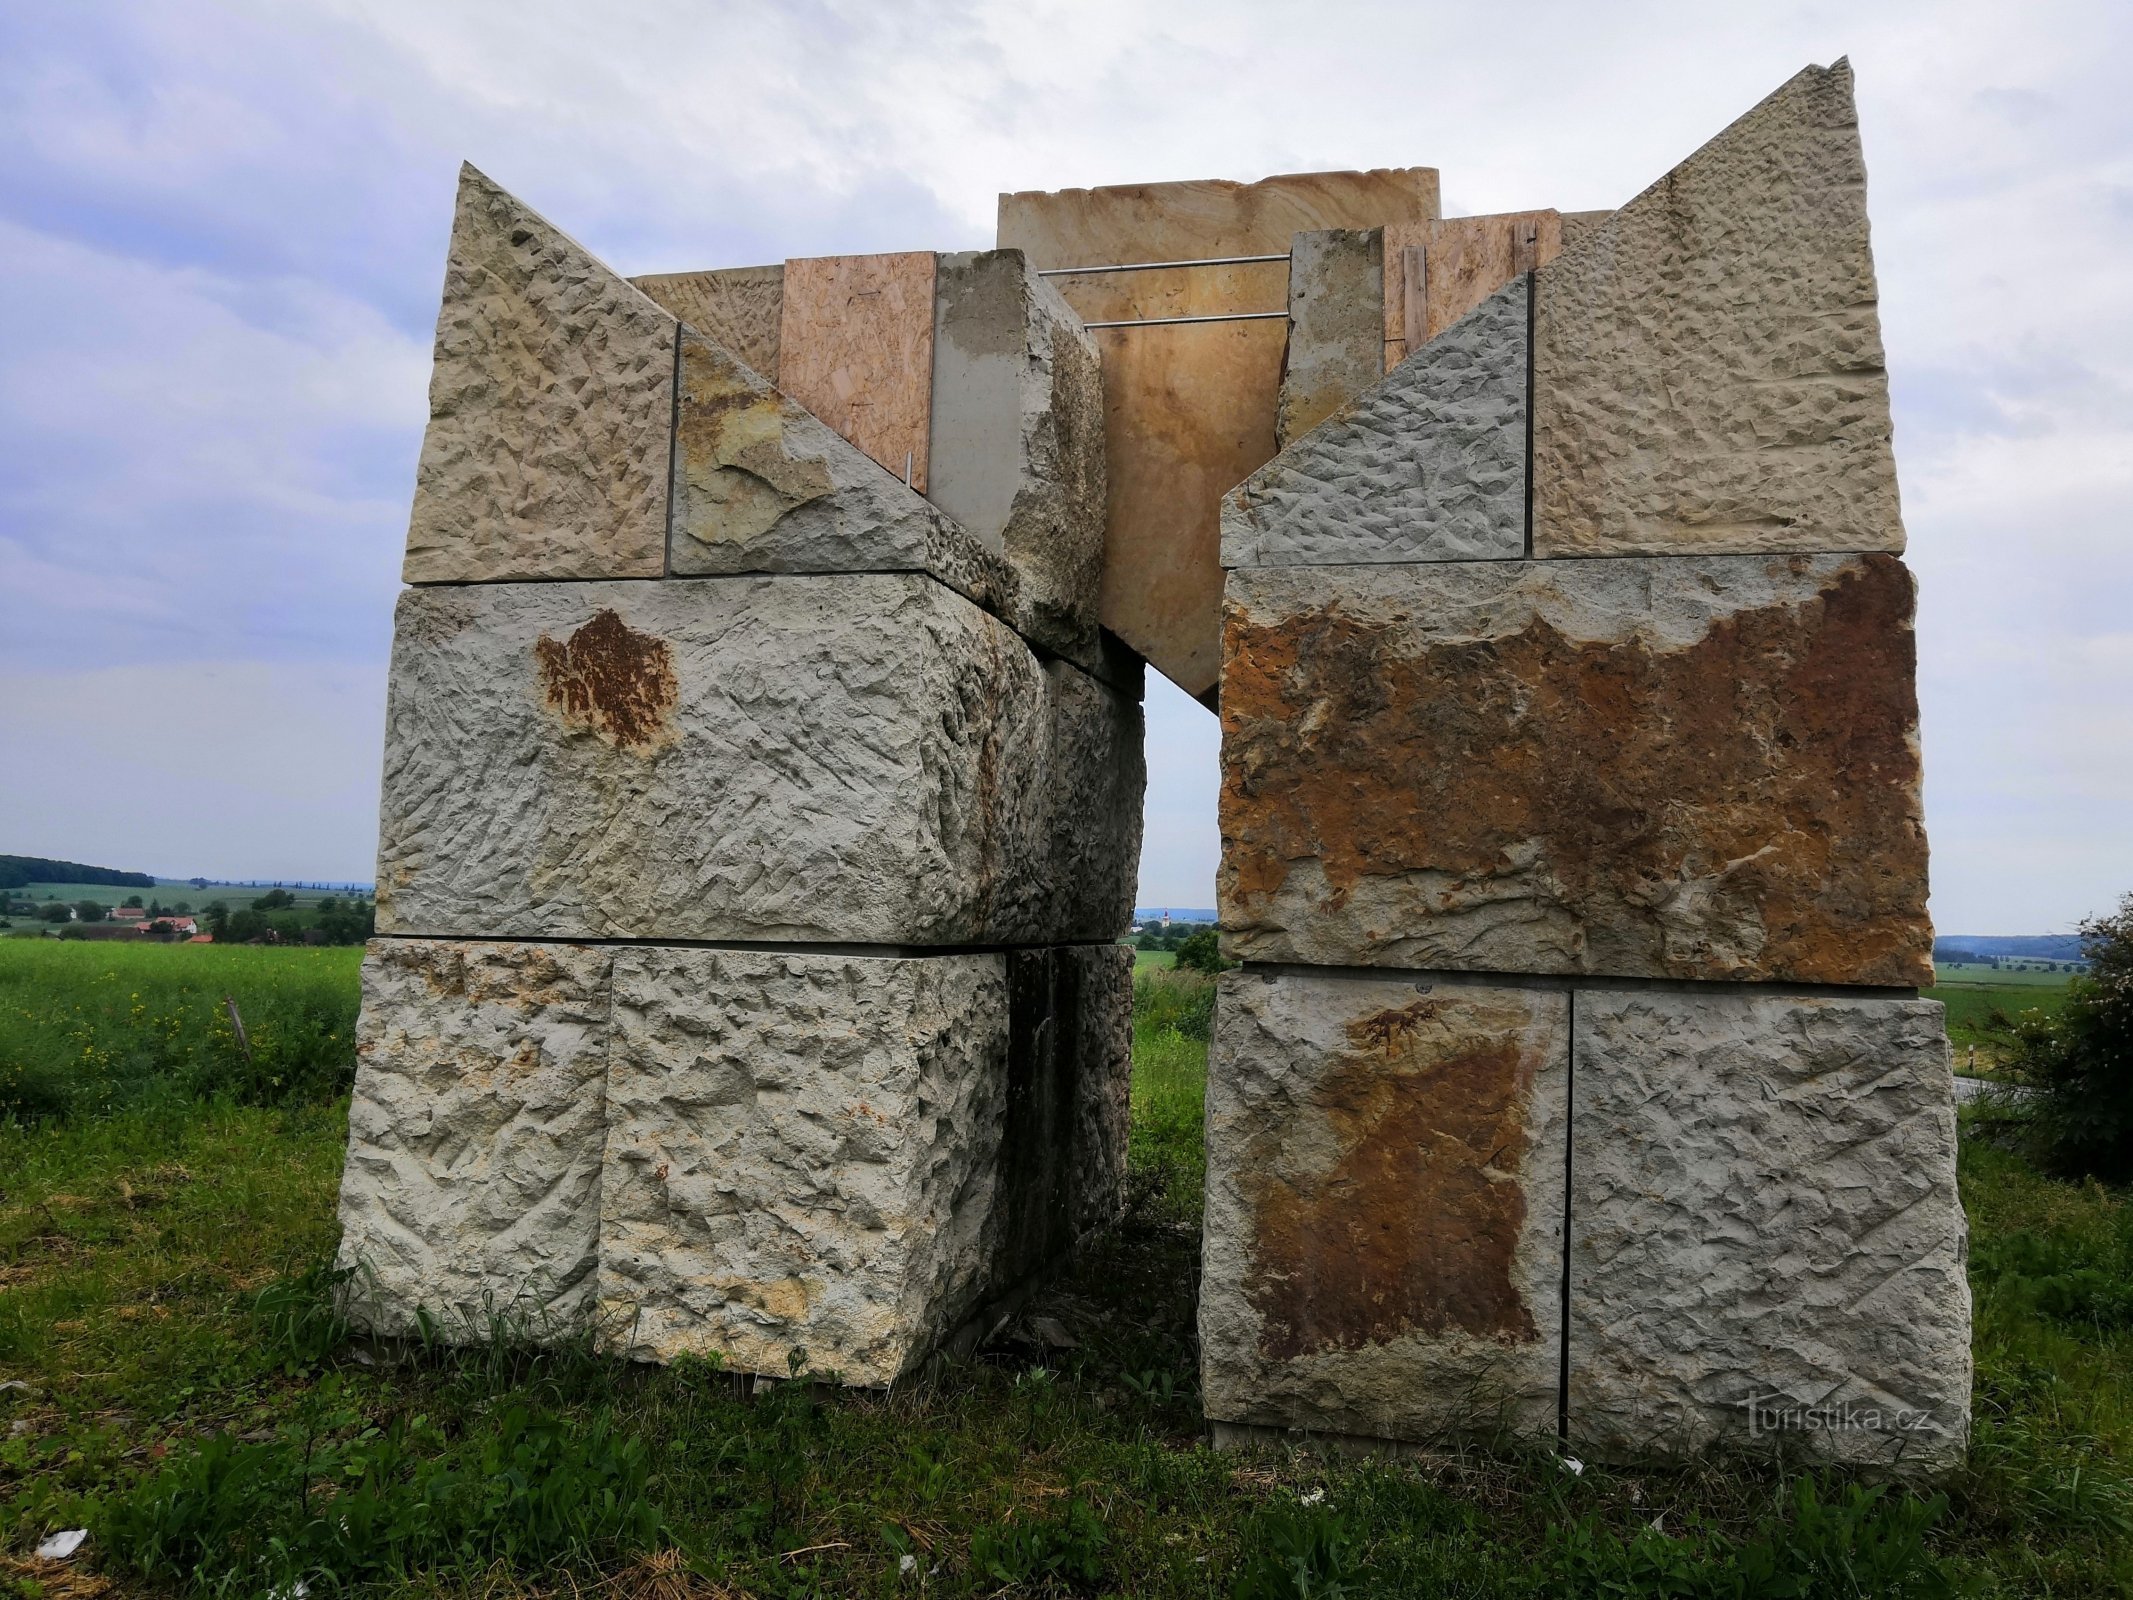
1708,370
1016,453
1439,272
861,759
1336,342
551,402
1427,464
1189,407
1766,1246
763,485
845,1155
855,346
1686,768
1385,1184
472,1188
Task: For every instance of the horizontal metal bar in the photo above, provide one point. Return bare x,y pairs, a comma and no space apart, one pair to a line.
1155,266
1155,322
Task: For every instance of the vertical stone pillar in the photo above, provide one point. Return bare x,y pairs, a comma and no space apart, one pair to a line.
1572,842
755,837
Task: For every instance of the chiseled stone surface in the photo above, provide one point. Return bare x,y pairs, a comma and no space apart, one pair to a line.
803,1154
1427,465
1698,767
864,759
1017,445
551,405
736,307
762,485
472,1188
1764,1224
1336,326
1708,372
1384,1205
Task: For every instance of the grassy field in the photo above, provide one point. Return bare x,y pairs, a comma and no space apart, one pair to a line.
175,1379
1974,994
168,890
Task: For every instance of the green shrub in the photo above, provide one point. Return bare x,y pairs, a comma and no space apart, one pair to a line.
2077,1062
1174,998
1202,952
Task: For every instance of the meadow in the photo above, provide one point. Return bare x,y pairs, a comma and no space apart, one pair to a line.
1978,998
171,891
174,1377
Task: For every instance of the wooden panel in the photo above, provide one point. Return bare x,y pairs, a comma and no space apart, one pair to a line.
1189,409
737,307
855,346
1464,261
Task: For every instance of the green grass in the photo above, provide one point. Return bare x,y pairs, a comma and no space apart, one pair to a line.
1948,974
168,890
1145,959
191,1398
1979,1046
87,1028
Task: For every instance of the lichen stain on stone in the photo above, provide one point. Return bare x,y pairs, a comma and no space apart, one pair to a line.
1743,771
1414,1228
613,681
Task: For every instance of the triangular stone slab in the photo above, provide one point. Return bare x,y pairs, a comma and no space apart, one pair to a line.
551,401
1708,372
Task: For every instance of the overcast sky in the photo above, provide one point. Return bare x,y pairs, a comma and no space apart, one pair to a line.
222,232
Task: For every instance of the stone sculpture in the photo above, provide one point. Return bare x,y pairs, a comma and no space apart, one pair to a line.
763,774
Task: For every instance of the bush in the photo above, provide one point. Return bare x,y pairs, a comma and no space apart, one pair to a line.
1202,952
2078,1061
1180,1000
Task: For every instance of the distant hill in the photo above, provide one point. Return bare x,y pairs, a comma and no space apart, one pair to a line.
18,872
2025,947
1177,913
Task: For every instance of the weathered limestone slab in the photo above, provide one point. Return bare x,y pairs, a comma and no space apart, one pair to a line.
472,1189
855,346
1017,438
763,485
737,307
1335,352
551,400
863,759
1437,272
1766,1245
844,1155
802,1154
1429,464
1189,408
1708,371
1686,768
1384,1206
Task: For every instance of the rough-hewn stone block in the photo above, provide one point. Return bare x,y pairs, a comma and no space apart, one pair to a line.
1438,272
1766,1244
1336,342
1687,768
1017,442
472,1189
844,1155
1384,1205
551,403
735,307
1708,371
865,759
1429,464
763,485
855,346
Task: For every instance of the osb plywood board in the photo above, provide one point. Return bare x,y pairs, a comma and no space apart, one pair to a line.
855,346
1464,261
1189,409
737,307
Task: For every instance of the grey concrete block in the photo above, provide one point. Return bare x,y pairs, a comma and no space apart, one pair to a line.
1766,1243
1017,442
472,1186
1428,465
1708,372
1336,326
551,403
864,759
1385,1182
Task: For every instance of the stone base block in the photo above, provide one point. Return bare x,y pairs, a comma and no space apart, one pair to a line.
1384,1206
867,759
754,1155
1766,1246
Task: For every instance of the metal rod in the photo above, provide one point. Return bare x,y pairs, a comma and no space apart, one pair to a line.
1152,322
1155,266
